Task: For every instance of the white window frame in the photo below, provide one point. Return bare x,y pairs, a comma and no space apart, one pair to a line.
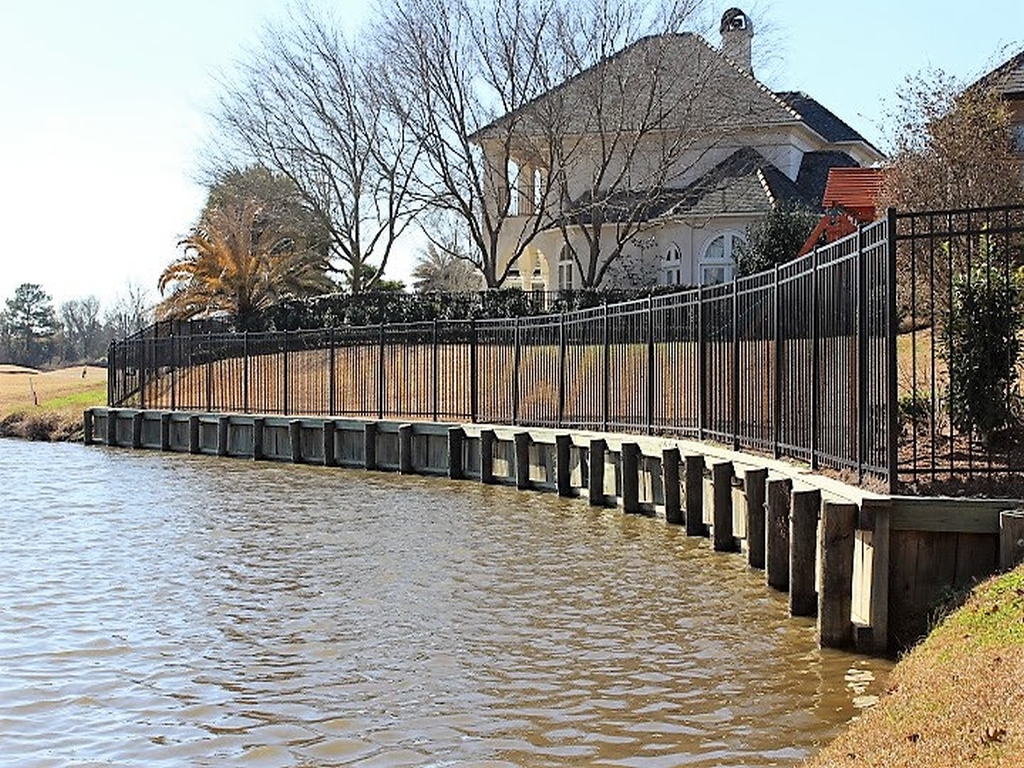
725,264
566,273
671,272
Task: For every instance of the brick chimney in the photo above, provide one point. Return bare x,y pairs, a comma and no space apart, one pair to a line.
737,31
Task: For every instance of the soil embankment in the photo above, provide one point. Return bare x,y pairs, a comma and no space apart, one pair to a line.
48,405
955,699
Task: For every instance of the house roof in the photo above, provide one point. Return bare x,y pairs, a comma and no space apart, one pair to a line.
697,77
745,183
854,189
814,170
818,118
1007,79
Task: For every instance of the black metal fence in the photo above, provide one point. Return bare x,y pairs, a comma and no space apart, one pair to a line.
797,362
959,309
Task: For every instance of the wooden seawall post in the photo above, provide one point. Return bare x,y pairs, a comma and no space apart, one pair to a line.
87,426
563,470
456,437
754,487
694,496
835,601
193,434
370,445
595,478
777,534
670,482
405,449
165,431
1011,538
330,455
522,444
223,423
629,453
257,438
803,545
295,440
137,430
487,440
112,415
721,481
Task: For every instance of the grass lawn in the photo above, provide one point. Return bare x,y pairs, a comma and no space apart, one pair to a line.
48,405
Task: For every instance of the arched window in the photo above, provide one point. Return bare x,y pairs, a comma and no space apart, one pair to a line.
718,264
671,267
565,269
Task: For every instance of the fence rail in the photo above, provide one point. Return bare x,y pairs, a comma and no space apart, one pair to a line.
797,362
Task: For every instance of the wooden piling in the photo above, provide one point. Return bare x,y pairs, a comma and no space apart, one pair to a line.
87,426
694,496
137,429
257,438
563,470
595,474
721,482
223,422
165,431
803,545
835,600
456,437
330,453
1011,538
112,426
370,445
522,444
487,440
405,449
670,486
777,533
193,434
629,454
295,440
753,488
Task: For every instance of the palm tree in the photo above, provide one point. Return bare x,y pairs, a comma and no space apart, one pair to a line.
438,270
238,260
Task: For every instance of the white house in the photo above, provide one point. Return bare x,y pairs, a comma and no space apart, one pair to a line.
681,146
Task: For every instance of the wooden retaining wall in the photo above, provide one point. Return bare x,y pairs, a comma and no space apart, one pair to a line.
871,568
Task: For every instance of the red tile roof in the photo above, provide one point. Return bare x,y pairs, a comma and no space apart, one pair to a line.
855,190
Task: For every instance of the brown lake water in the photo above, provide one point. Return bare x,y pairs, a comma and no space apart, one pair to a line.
172,610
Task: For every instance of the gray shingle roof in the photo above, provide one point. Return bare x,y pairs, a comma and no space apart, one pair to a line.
1007,79
820,119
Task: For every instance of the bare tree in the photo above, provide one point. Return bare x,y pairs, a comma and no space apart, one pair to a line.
81,319
310,105
454,68
131,311
953,148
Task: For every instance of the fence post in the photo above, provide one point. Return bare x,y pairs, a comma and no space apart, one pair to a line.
474,381
174,369
141,346
515,372
380,374
815,361
245,372
776,365
433,366
650,364
605,396
861,363
332,380
284,367
111,368
702,394
736,364
209,371
561,368
890,337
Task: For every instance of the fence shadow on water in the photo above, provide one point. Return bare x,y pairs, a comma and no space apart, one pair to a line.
835,359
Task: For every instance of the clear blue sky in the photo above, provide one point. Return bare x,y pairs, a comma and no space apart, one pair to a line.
103,109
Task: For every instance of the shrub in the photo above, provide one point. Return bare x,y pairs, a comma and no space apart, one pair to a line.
980,346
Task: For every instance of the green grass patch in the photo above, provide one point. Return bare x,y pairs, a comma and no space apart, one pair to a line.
993,617
96,395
